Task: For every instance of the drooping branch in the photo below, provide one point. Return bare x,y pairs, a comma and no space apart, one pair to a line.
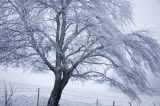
86,34
102,78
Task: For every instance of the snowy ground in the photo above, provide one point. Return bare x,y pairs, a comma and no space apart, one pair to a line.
26,95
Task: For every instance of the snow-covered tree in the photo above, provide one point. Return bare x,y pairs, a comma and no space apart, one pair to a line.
82,39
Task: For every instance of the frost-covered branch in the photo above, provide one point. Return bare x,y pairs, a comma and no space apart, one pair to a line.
72,37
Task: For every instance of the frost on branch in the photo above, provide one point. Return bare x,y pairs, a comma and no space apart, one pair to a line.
78,38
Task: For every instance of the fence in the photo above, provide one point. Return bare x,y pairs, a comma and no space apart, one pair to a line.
39,97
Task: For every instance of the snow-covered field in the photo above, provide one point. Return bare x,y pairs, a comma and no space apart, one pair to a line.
26,95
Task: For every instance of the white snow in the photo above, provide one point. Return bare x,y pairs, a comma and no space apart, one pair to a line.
78,95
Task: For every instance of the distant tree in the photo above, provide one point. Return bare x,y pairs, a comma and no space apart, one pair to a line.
9,92
82,39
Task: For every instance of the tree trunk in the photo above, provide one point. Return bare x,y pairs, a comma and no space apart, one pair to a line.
59,85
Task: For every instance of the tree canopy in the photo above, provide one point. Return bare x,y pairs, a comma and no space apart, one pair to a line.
85,38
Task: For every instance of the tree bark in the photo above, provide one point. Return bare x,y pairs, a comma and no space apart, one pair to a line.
56,93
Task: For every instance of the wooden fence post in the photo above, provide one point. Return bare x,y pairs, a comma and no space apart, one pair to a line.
97,104
130,103
38,97
113,103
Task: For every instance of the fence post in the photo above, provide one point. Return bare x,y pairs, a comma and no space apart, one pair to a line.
113,103
97,104
154,104
5,95
38,97
130,103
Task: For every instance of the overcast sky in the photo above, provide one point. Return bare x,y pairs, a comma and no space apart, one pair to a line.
146,16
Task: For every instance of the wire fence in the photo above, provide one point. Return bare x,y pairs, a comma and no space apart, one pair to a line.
39,97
